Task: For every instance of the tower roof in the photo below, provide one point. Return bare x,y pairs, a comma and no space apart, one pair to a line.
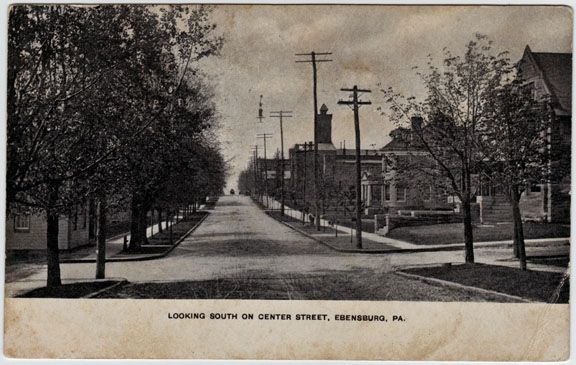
323,109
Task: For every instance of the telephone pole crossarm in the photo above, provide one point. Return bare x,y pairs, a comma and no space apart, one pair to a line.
357,90
359,102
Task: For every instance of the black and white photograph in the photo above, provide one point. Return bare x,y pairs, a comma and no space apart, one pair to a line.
274,154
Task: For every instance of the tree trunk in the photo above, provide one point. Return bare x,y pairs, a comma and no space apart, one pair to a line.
91,219
160,229
171,224
143,225
515,251
518,227
135,233
52,252
194,206
468,235
101,246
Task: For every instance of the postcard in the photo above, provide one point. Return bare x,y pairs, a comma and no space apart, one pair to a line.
288,181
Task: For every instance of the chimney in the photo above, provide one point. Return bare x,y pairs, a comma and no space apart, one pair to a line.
324,125
416,123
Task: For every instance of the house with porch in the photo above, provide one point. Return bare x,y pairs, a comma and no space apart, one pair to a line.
548,75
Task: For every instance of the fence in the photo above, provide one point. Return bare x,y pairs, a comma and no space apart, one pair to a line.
336,223
384,223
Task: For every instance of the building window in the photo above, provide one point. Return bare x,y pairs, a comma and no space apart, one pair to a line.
22,223
535,188
401,192
530,89
75,219
84,217
386,188
427,194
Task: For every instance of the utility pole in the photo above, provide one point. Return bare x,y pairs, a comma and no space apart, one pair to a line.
313,60
355,105
307,147
265,136
254,148
280,115
260,117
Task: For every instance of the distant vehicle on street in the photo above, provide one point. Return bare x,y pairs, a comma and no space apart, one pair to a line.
232,192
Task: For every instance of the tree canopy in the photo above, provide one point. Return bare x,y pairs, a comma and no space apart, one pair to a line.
106,100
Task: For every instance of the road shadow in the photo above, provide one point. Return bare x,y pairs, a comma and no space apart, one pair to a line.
365,285
229,245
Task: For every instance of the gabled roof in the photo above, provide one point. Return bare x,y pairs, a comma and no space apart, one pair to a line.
556,68
401,141
396,145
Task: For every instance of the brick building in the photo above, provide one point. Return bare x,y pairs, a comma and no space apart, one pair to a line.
396,192
336,167
269,178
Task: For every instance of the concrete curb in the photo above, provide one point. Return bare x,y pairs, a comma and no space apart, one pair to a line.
370,251
449,284
531,242
450,247
141,257
306,234
109,287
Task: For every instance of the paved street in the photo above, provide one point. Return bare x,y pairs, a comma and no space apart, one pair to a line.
239,241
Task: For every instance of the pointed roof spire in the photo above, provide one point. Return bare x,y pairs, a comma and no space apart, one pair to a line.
323,109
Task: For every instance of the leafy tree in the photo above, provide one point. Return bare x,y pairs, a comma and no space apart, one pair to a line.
54,67
451,114
514,147
203,174
169,147
246,181
90,91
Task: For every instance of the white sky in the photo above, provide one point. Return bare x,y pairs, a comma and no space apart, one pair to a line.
370,45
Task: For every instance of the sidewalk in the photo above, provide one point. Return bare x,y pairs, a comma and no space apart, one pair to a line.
495,252
114,246
378,242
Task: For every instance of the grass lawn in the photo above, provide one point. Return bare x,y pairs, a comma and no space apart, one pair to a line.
540,286
161,241
454,232
367,224
327,234
560,261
